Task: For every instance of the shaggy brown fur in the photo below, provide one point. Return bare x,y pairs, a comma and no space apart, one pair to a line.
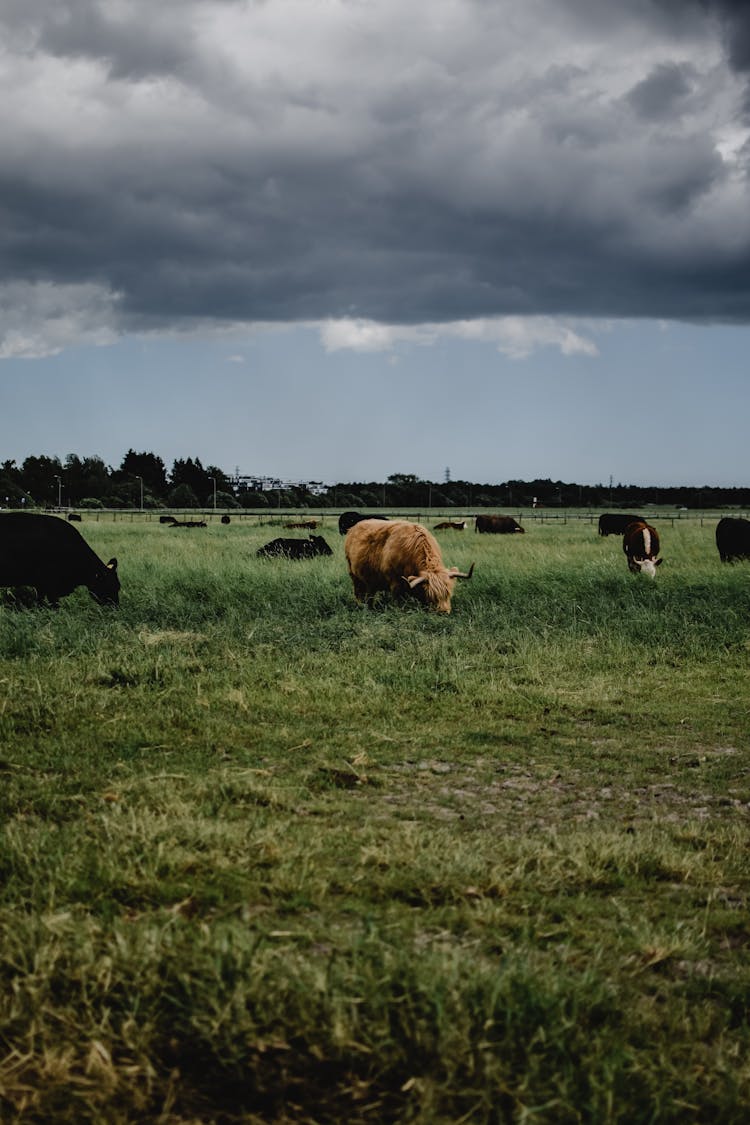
400,557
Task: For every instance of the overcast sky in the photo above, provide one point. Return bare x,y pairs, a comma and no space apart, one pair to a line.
336,239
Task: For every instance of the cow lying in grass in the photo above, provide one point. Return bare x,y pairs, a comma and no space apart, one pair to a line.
295,548
498,525
400,557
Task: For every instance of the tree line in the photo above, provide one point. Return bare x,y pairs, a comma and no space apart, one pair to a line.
142,480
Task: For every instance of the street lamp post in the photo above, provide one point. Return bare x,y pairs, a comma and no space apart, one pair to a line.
141,482
59,490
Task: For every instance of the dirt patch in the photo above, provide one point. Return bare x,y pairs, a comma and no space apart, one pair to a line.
443,791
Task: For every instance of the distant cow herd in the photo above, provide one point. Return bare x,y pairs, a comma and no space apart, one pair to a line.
51,557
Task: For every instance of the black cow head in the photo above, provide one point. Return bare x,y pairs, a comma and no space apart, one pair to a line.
320,545
105,586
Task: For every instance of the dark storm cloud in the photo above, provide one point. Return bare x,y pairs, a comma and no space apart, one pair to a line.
208,160
660,94
130,47
735,15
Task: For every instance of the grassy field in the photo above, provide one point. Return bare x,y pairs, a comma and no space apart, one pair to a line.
269,857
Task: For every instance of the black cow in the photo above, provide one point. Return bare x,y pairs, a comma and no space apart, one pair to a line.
52,556
497,525
225,519
73,517
348,519
295,548
612,523
189,523
733,539
167,519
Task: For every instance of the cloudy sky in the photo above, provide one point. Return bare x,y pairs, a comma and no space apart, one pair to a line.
336,239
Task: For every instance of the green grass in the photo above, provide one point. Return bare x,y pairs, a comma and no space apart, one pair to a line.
269,857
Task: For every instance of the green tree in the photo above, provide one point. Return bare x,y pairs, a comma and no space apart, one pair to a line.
182,497
10,472
223,482
38,478
12,494
192,473
253,498
149,467
225,500
405,489
87,476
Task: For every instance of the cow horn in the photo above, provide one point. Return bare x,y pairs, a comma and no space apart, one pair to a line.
415,580
454,572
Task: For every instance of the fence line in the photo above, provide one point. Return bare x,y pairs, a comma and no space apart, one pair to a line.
280,516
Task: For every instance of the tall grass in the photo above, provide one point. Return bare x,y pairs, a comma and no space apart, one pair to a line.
269,857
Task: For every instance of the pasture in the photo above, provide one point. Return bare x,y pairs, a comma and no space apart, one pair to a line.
269,857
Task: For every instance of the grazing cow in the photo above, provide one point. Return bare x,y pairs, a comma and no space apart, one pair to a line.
448,525
400,557
52,556
498,525
167,519
613,523
641,546
348,519
225,519
189,523
733,538
73,517
295,548
302,525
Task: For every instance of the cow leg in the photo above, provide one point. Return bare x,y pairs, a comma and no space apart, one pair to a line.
20,597
361,592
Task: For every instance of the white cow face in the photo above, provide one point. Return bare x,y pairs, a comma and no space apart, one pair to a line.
647,566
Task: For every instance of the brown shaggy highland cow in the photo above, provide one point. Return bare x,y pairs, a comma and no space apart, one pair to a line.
400,557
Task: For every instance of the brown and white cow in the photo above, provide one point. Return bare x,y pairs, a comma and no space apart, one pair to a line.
400,557
450,525
641,546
